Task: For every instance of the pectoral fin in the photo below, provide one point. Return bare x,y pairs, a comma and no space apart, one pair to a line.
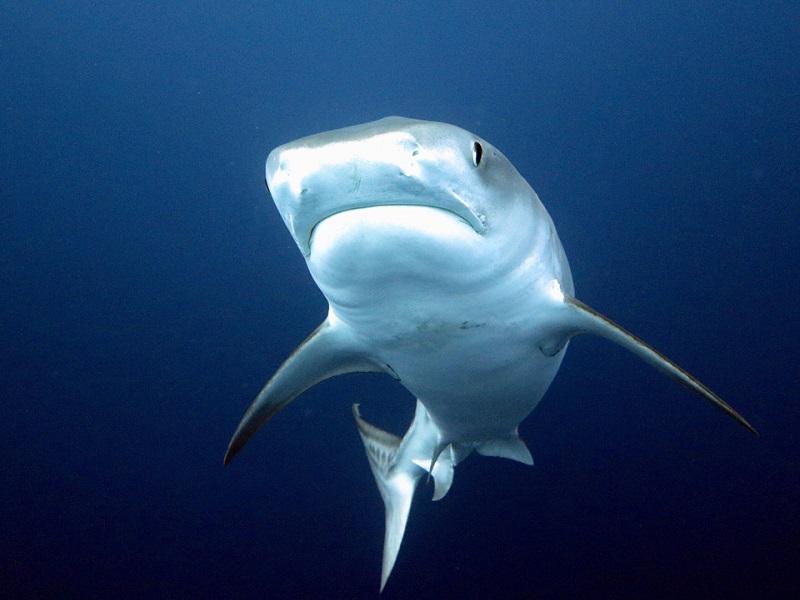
325,353
583,319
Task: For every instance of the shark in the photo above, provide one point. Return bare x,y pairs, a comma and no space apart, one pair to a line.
443,269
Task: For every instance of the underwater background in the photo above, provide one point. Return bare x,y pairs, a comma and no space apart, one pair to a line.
148,289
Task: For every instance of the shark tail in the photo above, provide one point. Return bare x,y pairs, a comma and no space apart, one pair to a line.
397,465
396,484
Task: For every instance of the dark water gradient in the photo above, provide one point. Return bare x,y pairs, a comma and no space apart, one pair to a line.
148,289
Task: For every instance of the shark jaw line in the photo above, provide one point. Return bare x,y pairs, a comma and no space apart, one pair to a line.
465,215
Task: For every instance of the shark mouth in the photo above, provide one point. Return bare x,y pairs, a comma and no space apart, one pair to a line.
456,207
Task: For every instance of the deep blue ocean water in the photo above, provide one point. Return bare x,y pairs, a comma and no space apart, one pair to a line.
148,289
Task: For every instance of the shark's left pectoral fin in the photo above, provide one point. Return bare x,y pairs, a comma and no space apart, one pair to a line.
580,318
325,353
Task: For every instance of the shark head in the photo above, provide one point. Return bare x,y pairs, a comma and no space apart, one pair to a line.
406,200
391,162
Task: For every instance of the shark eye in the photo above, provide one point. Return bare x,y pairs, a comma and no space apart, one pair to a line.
477,153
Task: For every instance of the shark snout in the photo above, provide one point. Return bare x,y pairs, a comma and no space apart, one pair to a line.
284,170
383,163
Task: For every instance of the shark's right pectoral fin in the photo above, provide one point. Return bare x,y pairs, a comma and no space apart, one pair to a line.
325,353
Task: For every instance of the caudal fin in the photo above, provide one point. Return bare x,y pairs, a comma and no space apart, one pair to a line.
396,483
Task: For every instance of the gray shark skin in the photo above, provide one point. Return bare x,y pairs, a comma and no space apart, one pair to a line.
443,269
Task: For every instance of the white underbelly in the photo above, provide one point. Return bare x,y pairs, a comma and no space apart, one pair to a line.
456,319
478,377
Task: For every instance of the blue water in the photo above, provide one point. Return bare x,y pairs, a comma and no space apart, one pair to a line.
148,289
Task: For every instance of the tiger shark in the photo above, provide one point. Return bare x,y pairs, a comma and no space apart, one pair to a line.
443,269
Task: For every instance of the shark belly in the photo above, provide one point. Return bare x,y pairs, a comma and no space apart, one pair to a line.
462,340
477,375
